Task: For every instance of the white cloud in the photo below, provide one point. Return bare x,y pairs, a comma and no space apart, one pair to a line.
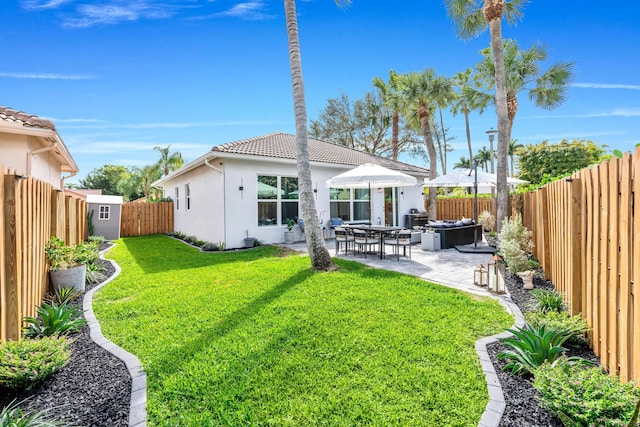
117,11
605,86
248,11
47,76
618,112
162,125
44,4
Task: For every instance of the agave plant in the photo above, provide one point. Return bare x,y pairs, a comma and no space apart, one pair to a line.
64,295
547,301
531,347
13,416
54,319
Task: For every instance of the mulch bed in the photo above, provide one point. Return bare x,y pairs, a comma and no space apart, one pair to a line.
94,388
521,398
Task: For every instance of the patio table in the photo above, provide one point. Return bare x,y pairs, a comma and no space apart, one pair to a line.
381,229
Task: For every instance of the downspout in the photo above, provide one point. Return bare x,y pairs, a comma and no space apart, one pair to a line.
30,154
224,188
65,177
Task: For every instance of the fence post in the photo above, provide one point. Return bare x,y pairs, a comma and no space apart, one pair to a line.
11,294
577,246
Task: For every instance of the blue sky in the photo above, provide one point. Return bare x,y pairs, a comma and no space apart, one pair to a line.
119,77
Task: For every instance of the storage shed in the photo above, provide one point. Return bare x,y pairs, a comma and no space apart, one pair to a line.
105,213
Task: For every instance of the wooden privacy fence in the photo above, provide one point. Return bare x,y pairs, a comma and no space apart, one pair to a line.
141,219
458,208
31,211
586,231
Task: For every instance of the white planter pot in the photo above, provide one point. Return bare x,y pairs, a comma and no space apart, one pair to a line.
527,279
288,237
71,277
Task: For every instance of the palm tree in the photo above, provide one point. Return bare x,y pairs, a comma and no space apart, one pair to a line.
391,96
444,101
513,147
421,95
471,18
546,89
320,257
148,175
468,99
168,162
484,157
463,163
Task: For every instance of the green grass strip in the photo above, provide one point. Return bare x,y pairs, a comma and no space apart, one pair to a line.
255,338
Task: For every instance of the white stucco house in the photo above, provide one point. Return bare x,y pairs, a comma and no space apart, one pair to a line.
250,188
31,146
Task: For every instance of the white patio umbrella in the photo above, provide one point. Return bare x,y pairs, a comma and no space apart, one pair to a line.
470,178
369,175
466,178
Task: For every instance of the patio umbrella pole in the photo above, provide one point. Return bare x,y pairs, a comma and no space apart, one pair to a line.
475,204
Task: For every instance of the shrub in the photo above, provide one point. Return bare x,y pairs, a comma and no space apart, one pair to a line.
585,396
95,273
513,230
64,296
96,239
487,220
54,319
25,363
531,347
546,301
554,320
514,257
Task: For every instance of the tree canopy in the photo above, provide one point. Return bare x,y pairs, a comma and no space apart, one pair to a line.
363,124
555,160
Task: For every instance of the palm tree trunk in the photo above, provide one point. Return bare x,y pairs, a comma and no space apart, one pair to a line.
425,125
320,257
466,122
495,8
444,144
395,131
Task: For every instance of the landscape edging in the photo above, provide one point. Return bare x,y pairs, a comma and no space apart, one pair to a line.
138,406
495,407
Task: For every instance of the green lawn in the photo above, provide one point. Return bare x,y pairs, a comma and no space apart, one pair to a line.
257,338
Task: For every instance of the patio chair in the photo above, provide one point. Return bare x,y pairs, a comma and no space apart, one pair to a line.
365,241
401,239
343,238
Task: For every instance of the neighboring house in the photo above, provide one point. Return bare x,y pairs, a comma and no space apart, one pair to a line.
32,146
106,215
249,188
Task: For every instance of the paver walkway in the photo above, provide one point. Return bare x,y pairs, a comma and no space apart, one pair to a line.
447,267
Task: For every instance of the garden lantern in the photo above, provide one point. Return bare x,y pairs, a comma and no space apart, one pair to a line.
495,274
480,276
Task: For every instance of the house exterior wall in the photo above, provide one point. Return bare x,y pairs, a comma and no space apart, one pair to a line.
109,228
221,212
205,217
13,155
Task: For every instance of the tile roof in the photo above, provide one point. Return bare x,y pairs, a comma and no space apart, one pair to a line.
26,120
282,145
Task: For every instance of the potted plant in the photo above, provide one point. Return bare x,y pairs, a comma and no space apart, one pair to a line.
488,222
67,264
288,235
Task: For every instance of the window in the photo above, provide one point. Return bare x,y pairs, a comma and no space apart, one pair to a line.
103,212
277,199
187,196
349,204
177,198
360,204
340,203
